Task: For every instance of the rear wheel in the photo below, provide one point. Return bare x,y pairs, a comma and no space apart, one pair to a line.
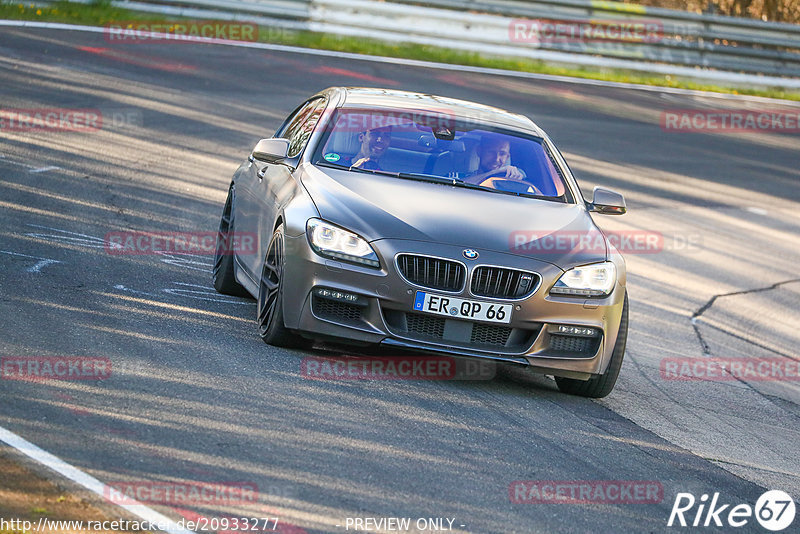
601,385
270,297
223,274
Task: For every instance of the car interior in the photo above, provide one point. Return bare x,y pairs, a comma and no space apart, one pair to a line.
417,149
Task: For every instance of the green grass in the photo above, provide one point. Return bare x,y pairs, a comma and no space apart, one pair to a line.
98,13
101,12
445,55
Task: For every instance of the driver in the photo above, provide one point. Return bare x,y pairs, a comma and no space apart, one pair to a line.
494,153
373,145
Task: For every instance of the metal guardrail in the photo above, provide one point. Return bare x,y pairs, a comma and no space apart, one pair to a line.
715,39
288,9
686,40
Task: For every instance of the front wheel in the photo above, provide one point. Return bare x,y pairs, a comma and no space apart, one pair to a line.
601,385
270,297
222,274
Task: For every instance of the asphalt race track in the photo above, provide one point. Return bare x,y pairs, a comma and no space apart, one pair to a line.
195,395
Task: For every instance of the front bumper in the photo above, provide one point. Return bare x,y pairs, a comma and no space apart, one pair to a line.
384,312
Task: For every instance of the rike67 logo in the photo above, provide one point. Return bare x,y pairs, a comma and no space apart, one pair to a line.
774,511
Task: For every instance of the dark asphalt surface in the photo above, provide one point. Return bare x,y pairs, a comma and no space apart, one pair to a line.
196,396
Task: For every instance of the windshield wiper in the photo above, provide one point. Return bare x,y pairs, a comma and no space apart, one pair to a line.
356,169
458,183
432,178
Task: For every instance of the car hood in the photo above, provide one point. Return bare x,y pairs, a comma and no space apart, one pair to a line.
383,207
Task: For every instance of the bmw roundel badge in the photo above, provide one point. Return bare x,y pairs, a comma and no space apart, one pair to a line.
470,254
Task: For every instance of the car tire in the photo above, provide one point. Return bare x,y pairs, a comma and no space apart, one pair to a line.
601,385
271,327
222,274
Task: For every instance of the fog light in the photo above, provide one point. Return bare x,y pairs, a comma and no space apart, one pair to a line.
575,330
334,294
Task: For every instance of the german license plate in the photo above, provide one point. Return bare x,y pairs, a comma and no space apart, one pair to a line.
456,308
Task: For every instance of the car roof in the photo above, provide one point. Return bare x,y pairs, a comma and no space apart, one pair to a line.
370,97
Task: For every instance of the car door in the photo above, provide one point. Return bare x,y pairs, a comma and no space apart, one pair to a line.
263,188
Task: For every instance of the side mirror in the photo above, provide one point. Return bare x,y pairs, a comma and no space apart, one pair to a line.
271,150
607,202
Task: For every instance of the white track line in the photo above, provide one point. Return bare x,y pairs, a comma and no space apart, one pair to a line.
89,482
37,268
419,63
45,169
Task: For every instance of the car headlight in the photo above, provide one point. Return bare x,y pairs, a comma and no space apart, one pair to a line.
334,242
595,280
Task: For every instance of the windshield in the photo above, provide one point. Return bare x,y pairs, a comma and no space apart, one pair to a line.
424,145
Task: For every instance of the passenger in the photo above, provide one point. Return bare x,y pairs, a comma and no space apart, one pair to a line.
373,145
494,152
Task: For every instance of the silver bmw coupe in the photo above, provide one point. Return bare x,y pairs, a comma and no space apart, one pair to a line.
426,223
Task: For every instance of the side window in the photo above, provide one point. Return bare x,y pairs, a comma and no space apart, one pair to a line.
301,125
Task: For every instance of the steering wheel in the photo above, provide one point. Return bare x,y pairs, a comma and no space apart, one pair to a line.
512,185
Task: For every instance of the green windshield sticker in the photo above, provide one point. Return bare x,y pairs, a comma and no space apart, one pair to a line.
332,157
